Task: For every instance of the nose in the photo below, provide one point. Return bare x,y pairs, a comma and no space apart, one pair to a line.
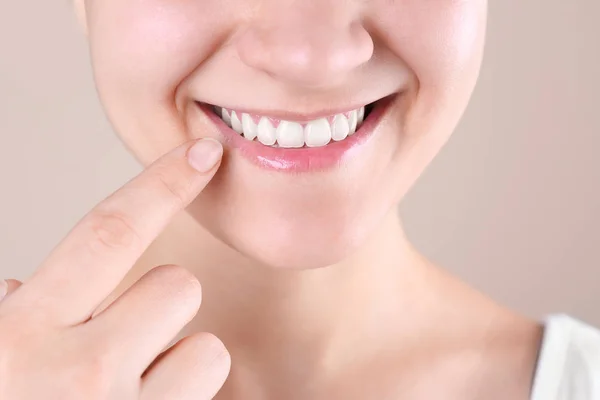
309,43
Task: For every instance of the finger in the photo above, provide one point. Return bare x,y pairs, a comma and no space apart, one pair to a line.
95,256
141,322
195,368
7,287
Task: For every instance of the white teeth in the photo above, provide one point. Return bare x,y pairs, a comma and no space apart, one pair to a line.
225,116
353,121
340,127
361,115
236,124
317,133
290,134
249,127
265,132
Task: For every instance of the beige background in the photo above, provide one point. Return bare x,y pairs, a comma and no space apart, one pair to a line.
512,204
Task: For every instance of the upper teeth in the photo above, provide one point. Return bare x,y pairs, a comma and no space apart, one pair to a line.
283,133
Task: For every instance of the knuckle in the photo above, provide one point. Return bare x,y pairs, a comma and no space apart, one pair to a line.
111,231
91,377
79,371
8,343
15,334
91,370
178,190
99,365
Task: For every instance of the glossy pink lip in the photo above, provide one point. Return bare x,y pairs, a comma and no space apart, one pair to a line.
304,159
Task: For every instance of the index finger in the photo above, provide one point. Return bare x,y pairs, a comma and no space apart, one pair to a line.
98,252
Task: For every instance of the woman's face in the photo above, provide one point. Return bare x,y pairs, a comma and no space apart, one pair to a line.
305,182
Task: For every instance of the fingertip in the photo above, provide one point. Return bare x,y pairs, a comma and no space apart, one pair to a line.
205,154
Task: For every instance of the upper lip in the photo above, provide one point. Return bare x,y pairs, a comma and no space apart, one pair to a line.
297,116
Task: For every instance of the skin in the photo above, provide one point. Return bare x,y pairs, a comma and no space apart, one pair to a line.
308,279
57,340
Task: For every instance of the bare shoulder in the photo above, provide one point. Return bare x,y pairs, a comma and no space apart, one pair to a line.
509,355
487,352
488,360
498,361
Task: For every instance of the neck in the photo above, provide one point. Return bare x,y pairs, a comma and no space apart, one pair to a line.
318,317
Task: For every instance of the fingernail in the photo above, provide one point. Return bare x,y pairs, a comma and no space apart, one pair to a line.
205,154
3,288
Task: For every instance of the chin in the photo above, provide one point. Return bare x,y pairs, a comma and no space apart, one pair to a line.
292,239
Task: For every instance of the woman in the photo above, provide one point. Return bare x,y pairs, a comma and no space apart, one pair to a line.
288,131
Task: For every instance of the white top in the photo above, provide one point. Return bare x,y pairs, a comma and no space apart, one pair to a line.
569,362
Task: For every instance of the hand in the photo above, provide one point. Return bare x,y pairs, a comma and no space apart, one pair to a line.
55,343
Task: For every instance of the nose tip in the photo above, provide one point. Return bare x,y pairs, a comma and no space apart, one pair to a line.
305,54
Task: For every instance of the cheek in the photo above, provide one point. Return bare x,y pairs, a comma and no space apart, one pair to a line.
142,50
442,43
438,39
151,43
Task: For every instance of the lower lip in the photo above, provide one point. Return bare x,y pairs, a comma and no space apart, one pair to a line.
305,159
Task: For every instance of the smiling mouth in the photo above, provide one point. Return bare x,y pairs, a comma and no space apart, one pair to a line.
300,143
281,133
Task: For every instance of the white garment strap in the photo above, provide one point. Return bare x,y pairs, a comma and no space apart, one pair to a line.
569,363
